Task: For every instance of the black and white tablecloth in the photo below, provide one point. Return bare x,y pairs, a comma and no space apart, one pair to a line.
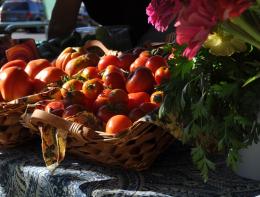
23,174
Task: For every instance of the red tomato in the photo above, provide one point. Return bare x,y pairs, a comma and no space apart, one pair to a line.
71,85
108,60
55,107
50,75
157,97
77,97
148,107
139,62
137,51
46,76
117,124
155,62
162,75
136,99
72,110
18,63
35,66
135,114
141,80
118,96
110,69
92,88
14,83
90,72
114,80
126,60
105,112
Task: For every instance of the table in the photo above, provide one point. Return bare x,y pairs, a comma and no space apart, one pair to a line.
23,174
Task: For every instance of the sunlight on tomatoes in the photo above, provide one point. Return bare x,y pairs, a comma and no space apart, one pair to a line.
117,124
155,62
108,60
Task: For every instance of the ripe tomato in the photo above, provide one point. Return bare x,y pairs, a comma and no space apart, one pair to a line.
72,110
117,96
117,124
77,97
139,62
110,69
50,75
18,63
162,75
35,66
105,112
148,107
71,85
90,72
136,99
137,51
157,97
126,60
92,88
114,80
108,60
14,83
141,80
135,114
55,107
77,64
155,62
145,54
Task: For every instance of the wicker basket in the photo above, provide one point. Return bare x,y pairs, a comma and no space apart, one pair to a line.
136,148
12,129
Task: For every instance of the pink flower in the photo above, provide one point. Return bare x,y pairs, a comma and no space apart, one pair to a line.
194,24
162,12
231,8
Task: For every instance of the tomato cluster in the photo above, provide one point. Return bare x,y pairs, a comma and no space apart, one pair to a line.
117,89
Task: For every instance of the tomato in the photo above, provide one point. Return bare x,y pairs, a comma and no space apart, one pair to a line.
137,51
72,110
148,107
65,56
35,66
135,114
114,80
77,97
155,62
136,99
50,75
162,75
92,88
108,60
126,60
145,54
141,80
117,124
14,83
139,62
55,107
77,64
105,112
110,69
71,85
157,97
46,76
18,63
90,72
118,96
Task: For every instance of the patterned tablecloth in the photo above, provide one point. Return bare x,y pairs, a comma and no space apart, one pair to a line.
23,174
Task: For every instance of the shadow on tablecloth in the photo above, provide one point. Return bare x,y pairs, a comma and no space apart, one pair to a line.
23,174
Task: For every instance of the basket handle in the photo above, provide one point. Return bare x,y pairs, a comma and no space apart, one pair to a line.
96,43
40,116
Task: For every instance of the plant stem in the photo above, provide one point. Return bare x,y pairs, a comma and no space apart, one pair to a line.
240,33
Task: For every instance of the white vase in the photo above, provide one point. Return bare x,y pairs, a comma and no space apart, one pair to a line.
249,167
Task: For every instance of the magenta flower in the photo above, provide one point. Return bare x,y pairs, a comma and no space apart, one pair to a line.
162,12
194,24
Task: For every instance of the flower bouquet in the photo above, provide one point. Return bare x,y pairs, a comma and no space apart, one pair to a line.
215,69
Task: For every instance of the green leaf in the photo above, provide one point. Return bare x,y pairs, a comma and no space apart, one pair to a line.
224,89
233,158
198,110
251,79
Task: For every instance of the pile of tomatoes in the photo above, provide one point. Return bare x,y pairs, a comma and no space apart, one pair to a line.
117,89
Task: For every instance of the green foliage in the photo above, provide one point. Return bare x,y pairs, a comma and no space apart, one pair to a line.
216,100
